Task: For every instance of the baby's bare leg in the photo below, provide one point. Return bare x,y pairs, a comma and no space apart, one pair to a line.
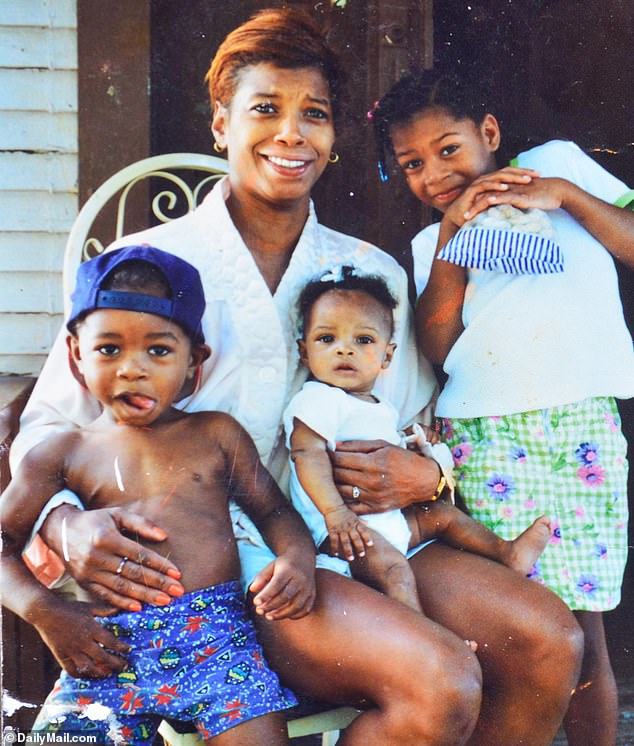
441,519
387,570
267,729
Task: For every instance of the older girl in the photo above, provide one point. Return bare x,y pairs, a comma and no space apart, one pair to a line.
533,359
256,240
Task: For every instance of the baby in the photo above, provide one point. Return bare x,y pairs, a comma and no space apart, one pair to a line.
135,339
346,343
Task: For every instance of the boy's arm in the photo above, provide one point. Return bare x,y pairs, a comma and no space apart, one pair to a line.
286,587
347,532
81,653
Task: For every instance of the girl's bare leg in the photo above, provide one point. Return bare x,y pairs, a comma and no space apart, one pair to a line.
593,714
529,645
420,683
266,730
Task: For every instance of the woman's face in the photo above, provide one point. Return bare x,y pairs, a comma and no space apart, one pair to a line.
278,131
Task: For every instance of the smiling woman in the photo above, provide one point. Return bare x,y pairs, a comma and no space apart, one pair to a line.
257,241
284,138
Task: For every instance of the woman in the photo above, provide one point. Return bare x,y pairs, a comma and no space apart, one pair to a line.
256,241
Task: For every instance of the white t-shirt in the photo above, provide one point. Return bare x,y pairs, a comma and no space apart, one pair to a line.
537,341
338,416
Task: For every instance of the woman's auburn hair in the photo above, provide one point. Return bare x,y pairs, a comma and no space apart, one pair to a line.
284,37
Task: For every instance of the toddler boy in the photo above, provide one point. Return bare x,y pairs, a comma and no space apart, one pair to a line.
135,339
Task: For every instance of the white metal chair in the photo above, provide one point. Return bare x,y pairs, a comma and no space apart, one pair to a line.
81,245
327,724
178,194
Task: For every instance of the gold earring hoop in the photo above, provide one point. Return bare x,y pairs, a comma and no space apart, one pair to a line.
333,157
219,148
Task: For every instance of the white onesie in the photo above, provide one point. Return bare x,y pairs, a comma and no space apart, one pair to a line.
337,416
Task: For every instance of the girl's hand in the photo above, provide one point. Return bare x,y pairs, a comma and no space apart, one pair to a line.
545,194
285,588
348,535
483,192
80,645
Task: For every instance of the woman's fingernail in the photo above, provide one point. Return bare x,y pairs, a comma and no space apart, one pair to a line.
163,599
173,573
176,590
135,606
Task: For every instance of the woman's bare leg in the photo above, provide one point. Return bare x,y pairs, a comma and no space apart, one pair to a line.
420,682
266,730
529,645
593,714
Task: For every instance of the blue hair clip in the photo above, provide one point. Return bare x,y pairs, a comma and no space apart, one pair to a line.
383,172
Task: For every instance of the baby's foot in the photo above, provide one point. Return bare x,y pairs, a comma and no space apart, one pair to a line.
525,550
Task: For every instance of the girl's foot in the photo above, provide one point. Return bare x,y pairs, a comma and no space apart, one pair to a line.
524,551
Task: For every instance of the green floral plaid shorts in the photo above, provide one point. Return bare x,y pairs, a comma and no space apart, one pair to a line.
568,462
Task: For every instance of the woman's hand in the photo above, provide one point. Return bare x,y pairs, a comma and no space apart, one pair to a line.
489,189
386,476
84,652
94,551
285,588
347,533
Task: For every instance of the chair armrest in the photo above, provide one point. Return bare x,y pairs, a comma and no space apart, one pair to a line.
14,394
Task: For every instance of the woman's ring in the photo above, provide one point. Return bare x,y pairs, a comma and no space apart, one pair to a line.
355,493
119,569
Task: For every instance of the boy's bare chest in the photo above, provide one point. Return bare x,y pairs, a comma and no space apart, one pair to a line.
152,470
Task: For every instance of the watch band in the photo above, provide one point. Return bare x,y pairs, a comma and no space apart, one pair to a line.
441,487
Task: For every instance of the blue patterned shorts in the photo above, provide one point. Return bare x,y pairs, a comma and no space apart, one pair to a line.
195,660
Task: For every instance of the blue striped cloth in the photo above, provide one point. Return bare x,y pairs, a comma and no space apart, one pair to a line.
511,252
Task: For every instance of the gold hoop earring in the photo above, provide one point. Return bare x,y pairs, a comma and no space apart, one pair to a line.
333,157
219,148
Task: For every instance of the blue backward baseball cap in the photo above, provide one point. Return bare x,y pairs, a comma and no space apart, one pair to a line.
184,307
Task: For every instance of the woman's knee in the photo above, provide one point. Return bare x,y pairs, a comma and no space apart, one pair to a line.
444,702
551,644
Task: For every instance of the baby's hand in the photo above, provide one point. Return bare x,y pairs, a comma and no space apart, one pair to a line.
432,435
80,645
418,437
348,534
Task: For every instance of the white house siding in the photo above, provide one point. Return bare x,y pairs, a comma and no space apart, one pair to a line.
38,173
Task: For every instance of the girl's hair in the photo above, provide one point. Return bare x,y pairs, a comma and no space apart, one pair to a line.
133,276
284,37
418,92
372,285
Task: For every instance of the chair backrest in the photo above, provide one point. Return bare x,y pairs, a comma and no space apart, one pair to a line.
178,193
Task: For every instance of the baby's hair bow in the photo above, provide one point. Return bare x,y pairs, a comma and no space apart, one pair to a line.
338,273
